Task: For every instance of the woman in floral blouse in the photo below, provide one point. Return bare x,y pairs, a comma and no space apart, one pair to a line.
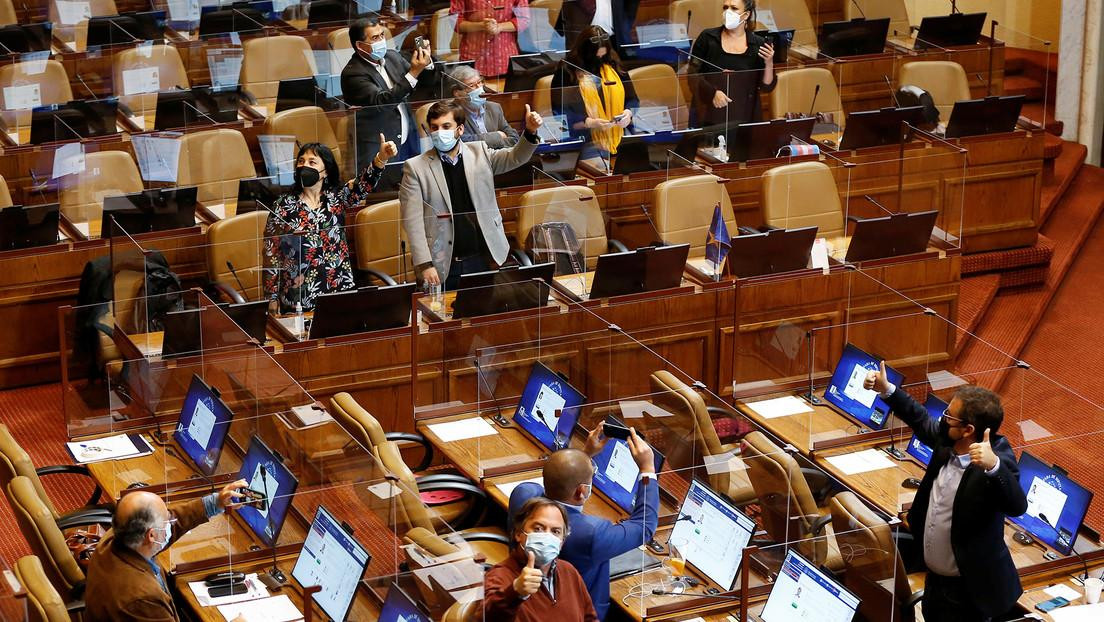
306,252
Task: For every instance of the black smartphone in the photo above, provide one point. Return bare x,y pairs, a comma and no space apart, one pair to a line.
421,42
1054,603
612,430
230,589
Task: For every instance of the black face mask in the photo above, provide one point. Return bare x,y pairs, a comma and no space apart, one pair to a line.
307,176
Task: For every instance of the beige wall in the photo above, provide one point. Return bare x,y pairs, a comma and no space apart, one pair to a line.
1018,20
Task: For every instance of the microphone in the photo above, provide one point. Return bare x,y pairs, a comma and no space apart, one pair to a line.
871,199
244,293
812,104
402,256
275,576
85,85
662,592
954,7
892,93
204,114
497,418
688,14
644,208
124,30
859,7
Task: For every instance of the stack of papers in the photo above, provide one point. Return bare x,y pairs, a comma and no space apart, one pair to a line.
1079,613
109,448
861,461
462,429
274,609
780,407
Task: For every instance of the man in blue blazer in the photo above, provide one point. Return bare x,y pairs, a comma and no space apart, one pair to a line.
592,542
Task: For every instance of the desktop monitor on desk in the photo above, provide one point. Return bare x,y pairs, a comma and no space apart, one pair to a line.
332,559
362,310
200,105
25,226
944,31
638,153
125,28
400,608
804,592
266,474
498,291
149,210
645,269
184,328
549,407
257,193
877,128
771,252
24,38
1056,505
765,139
239,17
74,120
991,115
902,233
616,474
916,448
856,37
714,534
202,427
845,390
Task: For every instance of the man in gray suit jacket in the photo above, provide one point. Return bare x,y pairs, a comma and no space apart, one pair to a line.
447,198
485,119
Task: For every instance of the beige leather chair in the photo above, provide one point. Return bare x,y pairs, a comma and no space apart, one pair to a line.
789,511
5,196
239,240
702,13
44,604
463,612
106,174
542,96
795,89
267,60
684,210
803,195
575,205
366,429
438,34
657,85
339,39
873,564
171,74
694,421
792,14
49,75
215,161
377,232
308,124
420,116
78,32
7,13
876,9
945,80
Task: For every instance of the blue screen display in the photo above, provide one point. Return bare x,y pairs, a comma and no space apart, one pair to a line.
399,608
1056,505
545,393
846,388
617,475
266,474
918,449
202,426
803,592
333,560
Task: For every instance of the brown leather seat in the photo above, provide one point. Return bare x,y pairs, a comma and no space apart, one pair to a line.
171,74
945,80
803,194
420,115
240,241
795,89
684,210
7,13
106,174
552,6
542,96
574,205
76,31
873,564
215,161
657,85
378,233
462,612
5,196
267,60
895,10
307,124
44,604
366,429
49,75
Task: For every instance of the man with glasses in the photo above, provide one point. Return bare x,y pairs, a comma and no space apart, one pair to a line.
957,518
485,119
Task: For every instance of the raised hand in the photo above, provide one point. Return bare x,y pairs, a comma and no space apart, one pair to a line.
766,52
387,151
877,380
595,442
529,581
982,454
641,452
533,120
419,61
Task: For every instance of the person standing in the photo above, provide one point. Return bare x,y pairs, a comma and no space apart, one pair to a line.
488,32
616,18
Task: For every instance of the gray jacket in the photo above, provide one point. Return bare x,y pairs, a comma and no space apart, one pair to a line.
495,121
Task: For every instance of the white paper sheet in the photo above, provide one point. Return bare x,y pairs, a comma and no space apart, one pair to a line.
780,407
1079,613
636,409
141,80
943,379
384,490
23,97
274,609
727,462
256,590
83,228
225,66
184,10
158,156
1064,591
100,449
861,461
218,209
462,429
819,254
72,12
68,160
508,488
307,414
653,119
453,576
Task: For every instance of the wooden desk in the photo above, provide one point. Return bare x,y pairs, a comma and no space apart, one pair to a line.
881,488
1035,594
805,430
508,451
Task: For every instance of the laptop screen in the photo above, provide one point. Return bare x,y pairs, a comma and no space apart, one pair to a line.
616,474
545,395
267,475
399,608
333,560
846,388
803,592
1056,505
202,426
916,448
713,532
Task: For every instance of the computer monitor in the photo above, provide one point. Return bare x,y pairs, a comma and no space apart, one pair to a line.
400,608
852,38
332,559
545,394
24,226
903,233
765,139
990,115
508,289
714,533
944,31
77,119
202,426
1056,504
24,38
845,391
652,152
616,475
916,448
770,252
149,210
125,28
645,269
362,310
267,475
804,592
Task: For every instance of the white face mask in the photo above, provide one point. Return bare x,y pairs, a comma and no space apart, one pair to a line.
732,19
168,537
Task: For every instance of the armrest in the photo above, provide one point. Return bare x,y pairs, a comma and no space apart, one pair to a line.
454,478
414,437
75,606
913,599
614,245
819,483
819,524
89,519
73,469
718,411
228,291
385,278
520,256
485,536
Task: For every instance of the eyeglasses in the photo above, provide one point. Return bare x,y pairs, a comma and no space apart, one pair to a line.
957,420
600,38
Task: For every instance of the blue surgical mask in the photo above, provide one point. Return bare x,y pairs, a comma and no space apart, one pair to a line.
477,97
379,50
544,545
444,140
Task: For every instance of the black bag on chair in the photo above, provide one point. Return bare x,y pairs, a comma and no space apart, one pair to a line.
556,242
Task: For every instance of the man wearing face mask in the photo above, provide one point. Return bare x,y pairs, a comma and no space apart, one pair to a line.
447,197
381,80
124,580
532,585
485,119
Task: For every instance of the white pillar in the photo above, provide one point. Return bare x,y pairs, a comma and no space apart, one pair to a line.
1071,51
1090,131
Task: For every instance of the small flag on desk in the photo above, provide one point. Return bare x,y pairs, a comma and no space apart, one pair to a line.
718,243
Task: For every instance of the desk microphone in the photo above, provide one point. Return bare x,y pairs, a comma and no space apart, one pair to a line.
85,85
659,238
871,199
274,579
812,105
235,273
502,422
857,6
892,93
688,14
402,255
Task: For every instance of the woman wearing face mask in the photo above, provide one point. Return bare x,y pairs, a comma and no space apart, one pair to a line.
306,252
729,66
488,31
592,90
532,585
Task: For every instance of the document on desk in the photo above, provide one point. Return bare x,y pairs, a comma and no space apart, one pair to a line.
203,597
780,407
109,448
1079,613
274,609
463,429
861,461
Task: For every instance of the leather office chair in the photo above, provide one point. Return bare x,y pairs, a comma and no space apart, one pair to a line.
803,194
77,32
684,210
575,205
945,80
792,14
895,10
5,196
657,85
49,75
796,87
308,124
378,233
542,96
463,612
238,240
869,553
701,14
7,13
44,604
171,74
789,510
699,438
339,39
443,22
215,161
366,429
106,174
267,60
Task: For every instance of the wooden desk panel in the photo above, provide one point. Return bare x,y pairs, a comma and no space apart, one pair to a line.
510,446
158,470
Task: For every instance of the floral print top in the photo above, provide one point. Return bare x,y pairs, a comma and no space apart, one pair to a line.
305,250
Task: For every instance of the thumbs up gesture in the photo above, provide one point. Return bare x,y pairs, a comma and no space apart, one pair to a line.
982,454
877,380
387,151
528,582
533,120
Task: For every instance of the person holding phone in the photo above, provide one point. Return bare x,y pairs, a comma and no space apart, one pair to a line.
957,518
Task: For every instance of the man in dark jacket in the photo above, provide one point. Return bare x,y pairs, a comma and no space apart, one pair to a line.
957,517
616,17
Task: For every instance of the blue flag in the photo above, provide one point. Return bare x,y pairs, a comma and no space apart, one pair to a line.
718,243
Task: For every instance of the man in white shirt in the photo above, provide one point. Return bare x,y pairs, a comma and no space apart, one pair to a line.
616,17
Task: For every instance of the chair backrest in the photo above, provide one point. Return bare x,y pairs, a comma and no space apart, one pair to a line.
70,26
339,39
895,10
308,124
701,439
792,14
5,196
870,555
7,13
49,75
106,174
378,232
357,421
15,462
796,87
410,510
42,534
657,85
684,210
44,604
420,116
542,96
214,160
945,80
803,195
702,14
442,35
267,60
575,205
463,612
171,74
240,241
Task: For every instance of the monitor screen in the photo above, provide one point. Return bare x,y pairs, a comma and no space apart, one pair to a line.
201,429
399,608
545,394
802,592
715,534
1056,504
916,448
846,388
616,474
268,476
332,559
